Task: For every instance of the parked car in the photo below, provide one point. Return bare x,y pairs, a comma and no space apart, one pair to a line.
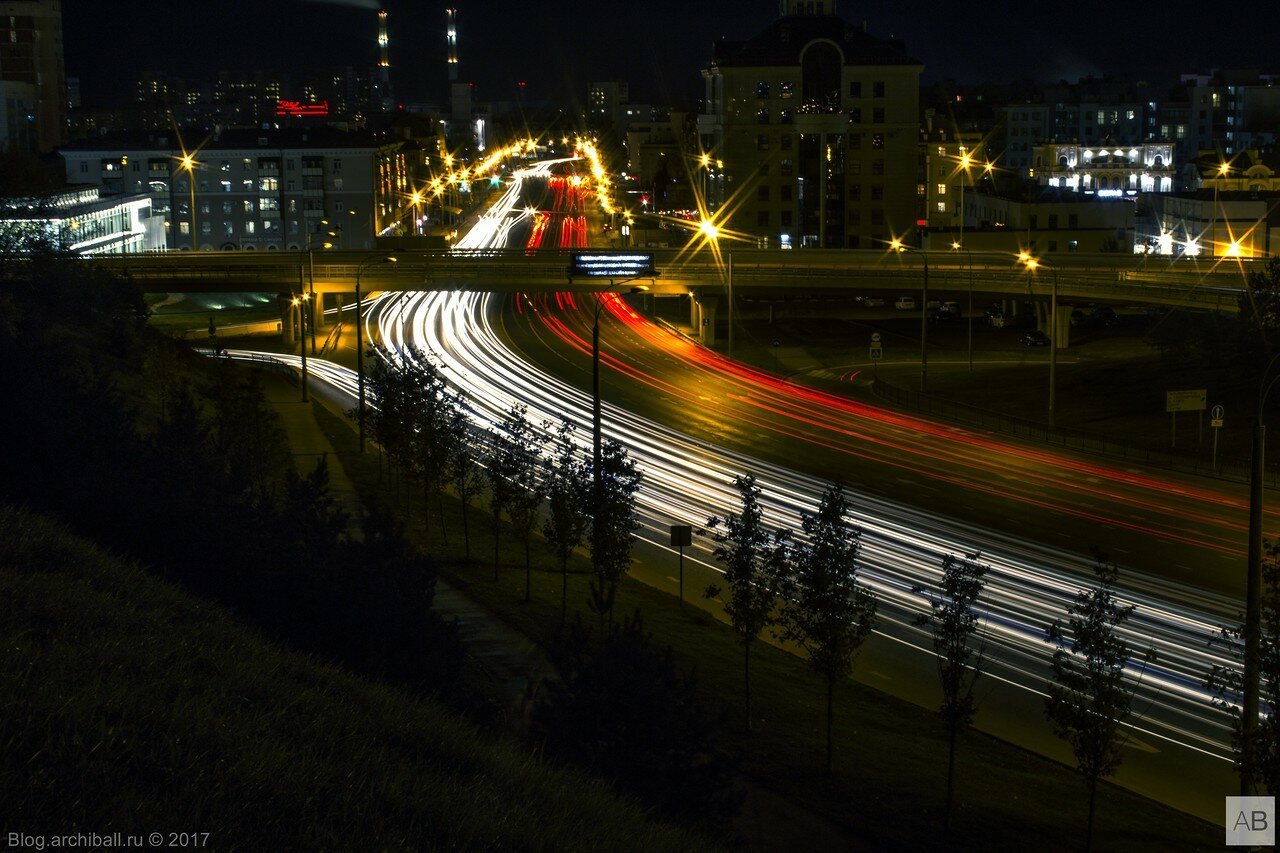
938,315
951,307
1035,338
873,302
905,303
933,303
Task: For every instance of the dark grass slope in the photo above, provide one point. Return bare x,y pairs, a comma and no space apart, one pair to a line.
130,706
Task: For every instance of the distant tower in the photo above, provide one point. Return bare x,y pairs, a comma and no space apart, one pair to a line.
451,38
383,85
384,44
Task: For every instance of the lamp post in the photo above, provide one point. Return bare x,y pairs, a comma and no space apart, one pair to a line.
1032,265
189,163
360,344
311,270
898,247
711,233
300,302
595,384
969,312
1223,168
1253,589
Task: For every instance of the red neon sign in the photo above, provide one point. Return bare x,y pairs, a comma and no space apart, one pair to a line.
297,108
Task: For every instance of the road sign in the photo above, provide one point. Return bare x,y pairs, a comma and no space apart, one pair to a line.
1185,401
877,353
681,534
1218,413
875,338
611,265
1216,423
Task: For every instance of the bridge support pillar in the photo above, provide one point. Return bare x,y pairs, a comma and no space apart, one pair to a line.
315,320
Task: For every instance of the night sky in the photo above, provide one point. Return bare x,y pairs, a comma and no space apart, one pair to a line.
658,45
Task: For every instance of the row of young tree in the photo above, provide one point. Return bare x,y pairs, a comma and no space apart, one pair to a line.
807,590
428,432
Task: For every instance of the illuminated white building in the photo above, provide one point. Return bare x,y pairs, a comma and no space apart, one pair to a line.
1105,170
81,220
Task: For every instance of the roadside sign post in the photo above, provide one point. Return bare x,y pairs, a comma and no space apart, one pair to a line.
1215,422
681,537
1183,401
877,352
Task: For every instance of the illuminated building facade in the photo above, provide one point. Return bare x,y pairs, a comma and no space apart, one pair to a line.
255,190
81,220
1106,170
816,124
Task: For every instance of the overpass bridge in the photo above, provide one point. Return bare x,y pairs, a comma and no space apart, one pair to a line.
765,274
1127,279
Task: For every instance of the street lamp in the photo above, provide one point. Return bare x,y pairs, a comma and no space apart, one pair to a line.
300,303
1253,589
1032,265
189,163
711,233
1223,169
311,269
969,255
360,344
595,386
896,245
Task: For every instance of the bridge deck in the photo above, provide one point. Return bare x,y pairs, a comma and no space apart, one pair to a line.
1118,278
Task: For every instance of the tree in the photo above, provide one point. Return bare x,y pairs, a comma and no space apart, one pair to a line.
954,623
390,413
829,613
429,409
464,468
624,710
1259,305
568,486
757,568
1089,702
1227,685
613,524
512,460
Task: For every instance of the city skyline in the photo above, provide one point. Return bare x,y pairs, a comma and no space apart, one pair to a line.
559,58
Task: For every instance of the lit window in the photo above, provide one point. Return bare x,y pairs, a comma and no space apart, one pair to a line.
184,227
920,189
942,207
248,227
877,140
942,189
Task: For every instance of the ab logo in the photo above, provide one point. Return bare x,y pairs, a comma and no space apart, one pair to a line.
1251,821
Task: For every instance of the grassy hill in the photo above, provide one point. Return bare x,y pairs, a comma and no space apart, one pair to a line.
131,706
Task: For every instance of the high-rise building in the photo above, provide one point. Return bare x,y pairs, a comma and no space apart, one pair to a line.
33,84
816,123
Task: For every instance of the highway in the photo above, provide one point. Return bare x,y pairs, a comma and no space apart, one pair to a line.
919,491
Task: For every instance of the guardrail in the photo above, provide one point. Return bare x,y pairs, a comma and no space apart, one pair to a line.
1232,469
